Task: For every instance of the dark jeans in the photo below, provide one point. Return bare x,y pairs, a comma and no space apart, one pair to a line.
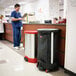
16,36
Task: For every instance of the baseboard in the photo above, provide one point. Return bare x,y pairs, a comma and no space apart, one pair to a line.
69,72
61,66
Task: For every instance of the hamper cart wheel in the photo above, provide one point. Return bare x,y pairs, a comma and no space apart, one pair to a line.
37,65
46,71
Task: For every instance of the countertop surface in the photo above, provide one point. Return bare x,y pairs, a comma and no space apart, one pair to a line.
40,24
44,24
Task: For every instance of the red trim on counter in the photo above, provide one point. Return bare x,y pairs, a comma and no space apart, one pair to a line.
31,32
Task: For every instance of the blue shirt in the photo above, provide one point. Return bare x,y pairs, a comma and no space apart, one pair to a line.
16,15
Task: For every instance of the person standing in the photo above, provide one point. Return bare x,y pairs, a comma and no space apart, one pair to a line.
1,28
16,24
59,20
55,21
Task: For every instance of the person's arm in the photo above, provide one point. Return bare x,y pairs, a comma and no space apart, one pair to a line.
13,15
16,19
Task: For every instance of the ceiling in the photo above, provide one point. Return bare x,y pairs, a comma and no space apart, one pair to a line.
6,3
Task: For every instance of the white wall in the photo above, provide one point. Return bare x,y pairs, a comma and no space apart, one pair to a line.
42,10
61,10
65,9
2,11
70,52
39,7
54,8
27,8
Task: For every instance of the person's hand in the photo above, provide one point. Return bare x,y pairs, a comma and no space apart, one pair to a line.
23,18
20,18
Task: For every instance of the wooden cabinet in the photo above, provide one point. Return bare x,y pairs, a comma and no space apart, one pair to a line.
9,32
61,47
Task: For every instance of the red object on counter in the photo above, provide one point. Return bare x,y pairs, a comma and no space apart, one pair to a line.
63,21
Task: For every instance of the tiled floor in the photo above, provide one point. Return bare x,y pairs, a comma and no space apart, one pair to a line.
9,44
12,63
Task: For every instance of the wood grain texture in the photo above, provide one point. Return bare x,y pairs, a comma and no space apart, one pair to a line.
61,53
9,32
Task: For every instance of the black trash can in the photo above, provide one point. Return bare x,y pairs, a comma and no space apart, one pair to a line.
47,49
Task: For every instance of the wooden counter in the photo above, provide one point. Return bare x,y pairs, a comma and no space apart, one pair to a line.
9,32
62,27
9,35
